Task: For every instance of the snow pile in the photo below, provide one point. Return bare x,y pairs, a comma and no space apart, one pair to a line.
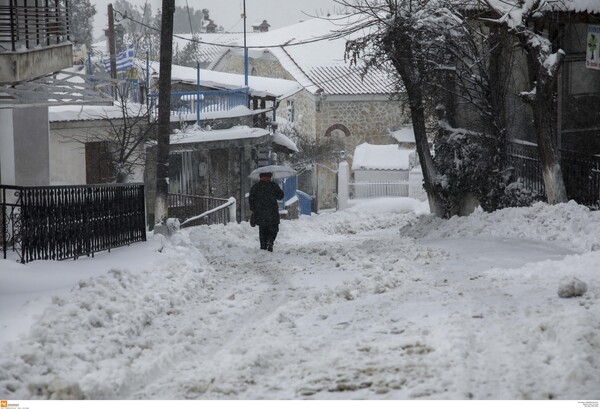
568,223
100,330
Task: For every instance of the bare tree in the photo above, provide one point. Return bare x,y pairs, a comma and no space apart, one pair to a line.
82,14
313,152
443,60
128,129
129,135
141,27
528,22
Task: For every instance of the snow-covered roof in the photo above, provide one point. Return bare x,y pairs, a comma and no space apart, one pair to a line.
258,86
283,140
405,134
66,113
198,135
381,157
575,6
312,52
211,45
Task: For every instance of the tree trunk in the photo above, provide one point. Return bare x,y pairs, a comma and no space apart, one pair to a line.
164,112
417,113
398,46
543,105
544,111
537,40
497,81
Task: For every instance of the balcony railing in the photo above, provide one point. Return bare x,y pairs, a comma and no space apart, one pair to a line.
190,104
28,24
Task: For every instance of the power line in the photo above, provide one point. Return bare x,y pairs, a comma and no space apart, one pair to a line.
332,36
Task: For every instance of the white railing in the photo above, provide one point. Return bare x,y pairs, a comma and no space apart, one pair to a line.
230,205
372,190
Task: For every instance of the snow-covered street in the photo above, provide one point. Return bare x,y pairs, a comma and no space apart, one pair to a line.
381,301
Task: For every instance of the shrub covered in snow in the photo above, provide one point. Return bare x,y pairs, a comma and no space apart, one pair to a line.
470,164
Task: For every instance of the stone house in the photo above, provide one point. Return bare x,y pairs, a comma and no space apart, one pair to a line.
336,100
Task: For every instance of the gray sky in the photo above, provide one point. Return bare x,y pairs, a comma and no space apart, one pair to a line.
227,13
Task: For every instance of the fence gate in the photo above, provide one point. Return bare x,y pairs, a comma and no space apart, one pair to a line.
372,190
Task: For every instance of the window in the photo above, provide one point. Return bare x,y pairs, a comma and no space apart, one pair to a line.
290,111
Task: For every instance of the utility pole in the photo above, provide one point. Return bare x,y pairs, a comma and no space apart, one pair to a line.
111,49
161,212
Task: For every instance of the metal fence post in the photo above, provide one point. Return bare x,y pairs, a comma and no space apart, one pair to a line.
4,218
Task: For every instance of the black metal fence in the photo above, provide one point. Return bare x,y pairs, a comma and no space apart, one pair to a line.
34,23
184,207
581,173
62,222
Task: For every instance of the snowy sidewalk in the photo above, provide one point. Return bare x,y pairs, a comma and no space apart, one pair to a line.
374,302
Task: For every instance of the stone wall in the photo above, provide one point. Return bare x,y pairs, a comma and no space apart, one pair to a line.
365,121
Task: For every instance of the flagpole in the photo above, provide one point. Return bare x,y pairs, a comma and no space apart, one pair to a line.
198,96
111,48
245,50
147,77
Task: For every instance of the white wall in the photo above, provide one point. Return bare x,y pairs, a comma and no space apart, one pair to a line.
67,159
31,142
7,148
343,185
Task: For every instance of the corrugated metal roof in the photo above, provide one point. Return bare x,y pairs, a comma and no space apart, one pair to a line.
346,80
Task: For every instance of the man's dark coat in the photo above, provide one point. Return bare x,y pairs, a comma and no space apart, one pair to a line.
263,202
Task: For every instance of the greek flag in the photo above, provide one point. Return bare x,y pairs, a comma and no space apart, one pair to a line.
124,60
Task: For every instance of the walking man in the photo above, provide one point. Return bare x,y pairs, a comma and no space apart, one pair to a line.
263,198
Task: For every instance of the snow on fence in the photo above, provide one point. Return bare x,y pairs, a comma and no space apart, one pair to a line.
194,210
229,206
